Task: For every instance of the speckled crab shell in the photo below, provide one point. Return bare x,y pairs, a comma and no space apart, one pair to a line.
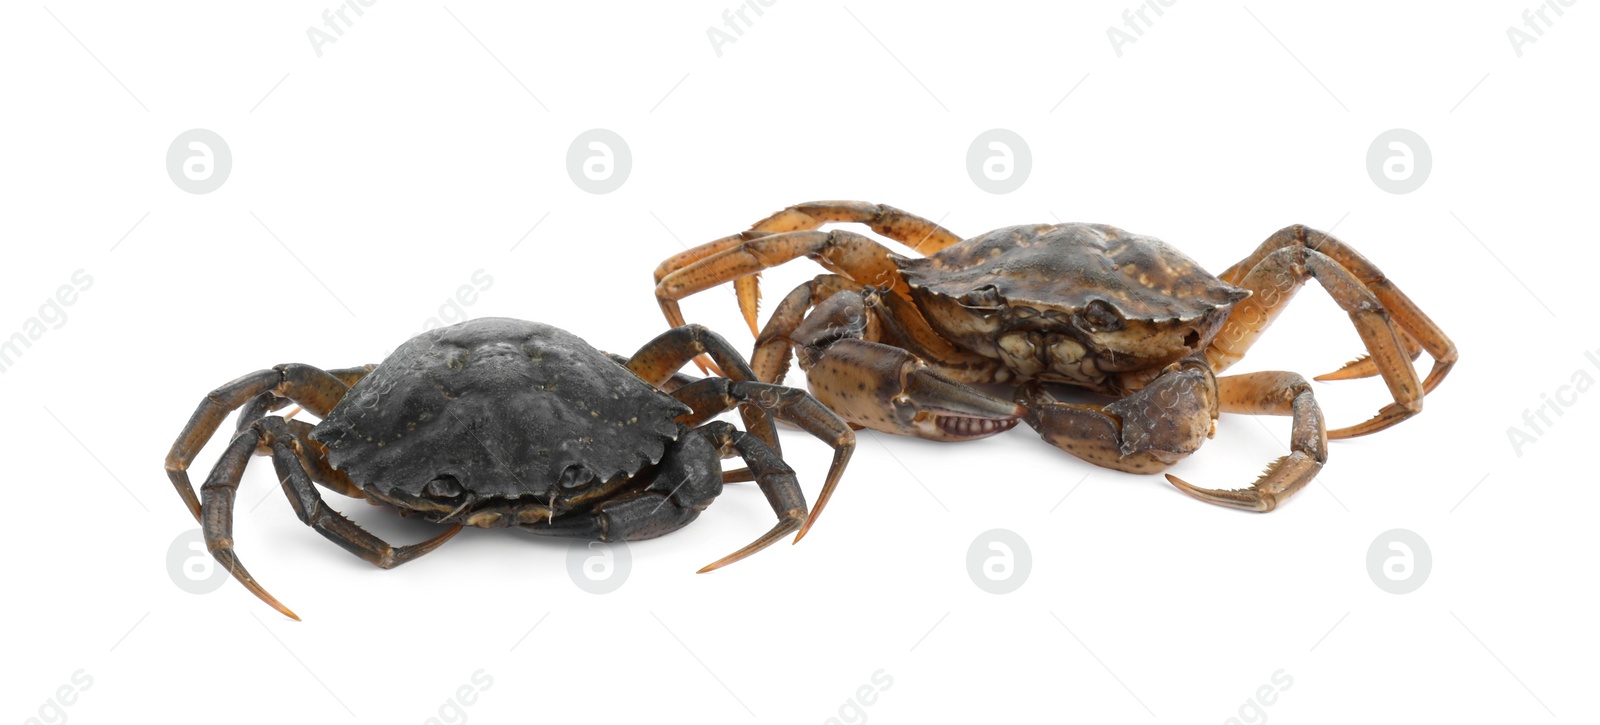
1067,267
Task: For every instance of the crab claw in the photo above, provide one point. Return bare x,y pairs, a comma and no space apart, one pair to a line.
888,389
1281,479
957,411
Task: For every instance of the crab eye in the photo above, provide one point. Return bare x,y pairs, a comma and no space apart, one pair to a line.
1102,317
443,487
575,477
986,297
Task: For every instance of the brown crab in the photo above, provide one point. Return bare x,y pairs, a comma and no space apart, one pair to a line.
894,343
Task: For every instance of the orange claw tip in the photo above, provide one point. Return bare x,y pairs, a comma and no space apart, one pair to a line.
715,565
748,291
782,529
275,604
816,511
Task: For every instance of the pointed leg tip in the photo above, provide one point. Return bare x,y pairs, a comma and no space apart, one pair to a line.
1248,499
811,518
275,604
1379,423
768,539
1347,373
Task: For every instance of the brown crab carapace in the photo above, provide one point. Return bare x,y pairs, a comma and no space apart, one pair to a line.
895,344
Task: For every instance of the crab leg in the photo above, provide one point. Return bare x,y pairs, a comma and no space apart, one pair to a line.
218,492
659,359
315,390
216,512
669,307
313,511
902,226
914,231
776,479
1414,328
855,256
852,255
314,456
852,310
770,360
1364,367
1271,393
711,396
1274,281
270,402
758,402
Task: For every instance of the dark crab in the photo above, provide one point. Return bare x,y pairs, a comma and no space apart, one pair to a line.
894,343
498,423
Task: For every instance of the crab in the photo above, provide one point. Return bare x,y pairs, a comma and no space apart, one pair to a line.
507,423
896,344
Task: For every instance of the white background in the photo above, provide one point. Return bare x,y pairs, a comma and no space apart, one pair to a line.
418,148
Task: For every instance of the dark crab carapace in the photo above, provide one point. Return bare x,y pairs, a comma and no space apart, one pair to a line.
498,423
894,343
